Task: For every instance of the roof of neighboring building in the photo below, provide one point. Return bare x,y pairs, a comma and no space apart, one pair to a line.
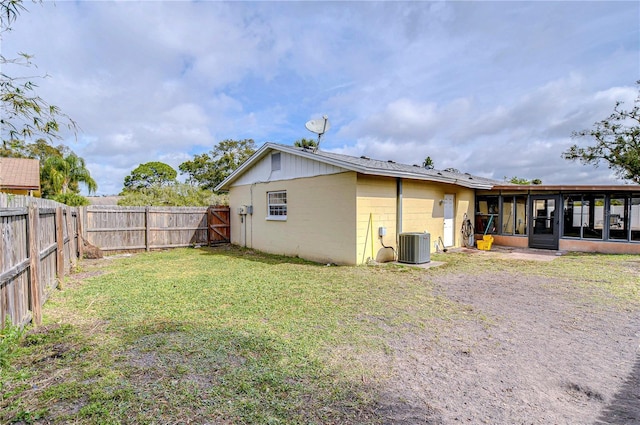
364,165
19,173
104,200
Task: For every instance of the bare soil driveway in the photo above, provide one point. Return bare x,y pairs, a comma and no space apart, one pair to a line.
538,352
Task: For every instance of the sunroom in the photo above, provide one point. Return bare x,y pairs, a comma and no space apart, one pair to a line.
571,218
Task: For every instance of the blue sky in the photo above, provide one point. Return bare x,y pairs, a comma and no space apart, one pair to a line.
490,88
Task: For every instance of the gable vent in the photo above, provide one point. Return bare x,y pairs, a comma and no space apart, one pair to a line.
275,161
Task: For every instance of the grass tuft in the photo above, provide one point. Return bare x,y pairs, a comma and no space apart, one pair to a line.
9,338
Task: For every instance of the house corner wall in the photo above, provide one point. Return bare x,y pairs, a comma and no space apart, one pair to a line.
319,224
376,207
423,211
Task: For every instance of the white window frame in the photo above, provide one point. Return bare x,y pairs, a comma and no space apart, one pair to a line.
276,208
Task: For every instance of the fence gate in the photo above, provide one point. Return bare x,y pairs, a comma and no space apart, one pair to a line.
219,224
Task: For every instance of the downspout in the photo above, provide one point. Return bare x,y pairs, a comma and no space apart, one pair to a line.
398,208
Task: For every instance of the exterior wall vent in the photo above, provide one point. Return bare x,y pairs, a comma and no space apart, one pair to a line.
275,161
414,248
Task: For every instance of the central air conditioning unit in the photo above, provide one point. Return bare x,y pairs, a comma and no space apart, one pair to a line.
414,248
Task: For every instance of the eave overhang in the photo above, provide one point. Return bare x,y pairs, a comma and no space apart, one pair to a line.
566,188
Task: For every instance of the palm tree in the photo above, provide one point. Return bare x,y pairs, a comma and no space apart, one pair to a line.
428,163
63,174
305,143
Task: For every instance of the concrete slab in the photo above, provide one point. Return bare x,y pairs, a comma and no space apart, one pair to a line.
428,265
497,251
512,253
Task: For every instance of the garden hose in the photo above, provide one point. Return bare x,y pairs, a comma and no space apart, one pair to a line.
467,232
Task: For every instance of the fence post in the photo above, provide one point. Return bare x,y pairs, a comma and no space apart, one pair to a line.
72,251
59,247
34,263
147,229
80,218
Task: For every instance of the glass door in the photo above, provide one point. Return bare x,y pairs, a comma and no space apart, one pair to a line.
544,232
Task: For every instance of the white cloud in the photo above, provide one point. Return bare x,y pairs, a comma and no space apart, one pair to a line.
493,88
525,137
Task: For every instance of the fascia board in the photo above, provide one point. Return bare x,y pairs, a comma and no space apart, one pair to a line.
458,182
257,155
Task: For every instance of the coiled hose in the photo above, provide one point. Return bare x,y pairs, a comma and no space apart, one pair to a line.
467,232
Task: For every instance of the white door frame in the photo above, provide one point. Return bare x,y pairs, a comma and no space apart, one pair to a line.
449,236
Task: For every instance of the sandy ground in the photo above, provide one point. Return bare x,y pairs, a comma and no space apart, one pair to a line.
532,353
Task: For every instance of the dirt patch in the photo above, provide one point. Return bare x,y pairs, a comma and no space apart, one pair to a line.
91,267
512,253
531,351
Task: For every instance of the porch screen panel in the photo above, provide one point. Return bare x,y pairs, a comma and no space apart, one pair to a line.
508,215
487,214
634,219
593,216
618,229
572,218
521,215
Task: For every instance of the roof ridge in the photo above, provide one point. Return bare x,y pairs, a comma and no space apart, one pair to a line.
364,165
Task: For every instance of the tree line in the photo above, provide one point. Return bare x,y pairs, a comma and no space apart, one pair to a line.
156,183
62,172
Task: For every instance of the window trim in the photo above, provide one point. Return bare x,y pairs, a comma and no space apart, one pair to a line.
276,217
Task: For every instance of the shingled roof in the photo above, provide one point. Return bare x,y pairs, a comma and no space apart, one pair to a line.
19,174
365,165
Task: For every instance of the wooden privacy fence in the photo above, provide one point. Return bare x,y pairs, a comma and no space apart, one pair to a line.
113,228
41,241
38,245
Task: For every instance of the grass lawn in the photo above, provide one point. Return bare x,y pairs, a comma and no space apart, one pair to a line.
233,336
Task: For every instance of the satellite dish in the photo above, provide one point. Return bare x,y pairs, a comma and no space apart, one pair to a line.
318,126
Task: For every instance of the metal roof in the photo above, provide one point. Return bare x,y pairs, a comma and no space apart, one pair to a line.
364,165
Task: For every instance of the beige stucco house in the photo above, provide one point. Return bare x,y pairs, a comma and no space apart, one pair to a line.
341,209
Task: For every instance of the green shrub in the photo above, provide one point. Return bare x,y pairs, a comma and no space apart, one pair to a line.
9,338
71,199
177,195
